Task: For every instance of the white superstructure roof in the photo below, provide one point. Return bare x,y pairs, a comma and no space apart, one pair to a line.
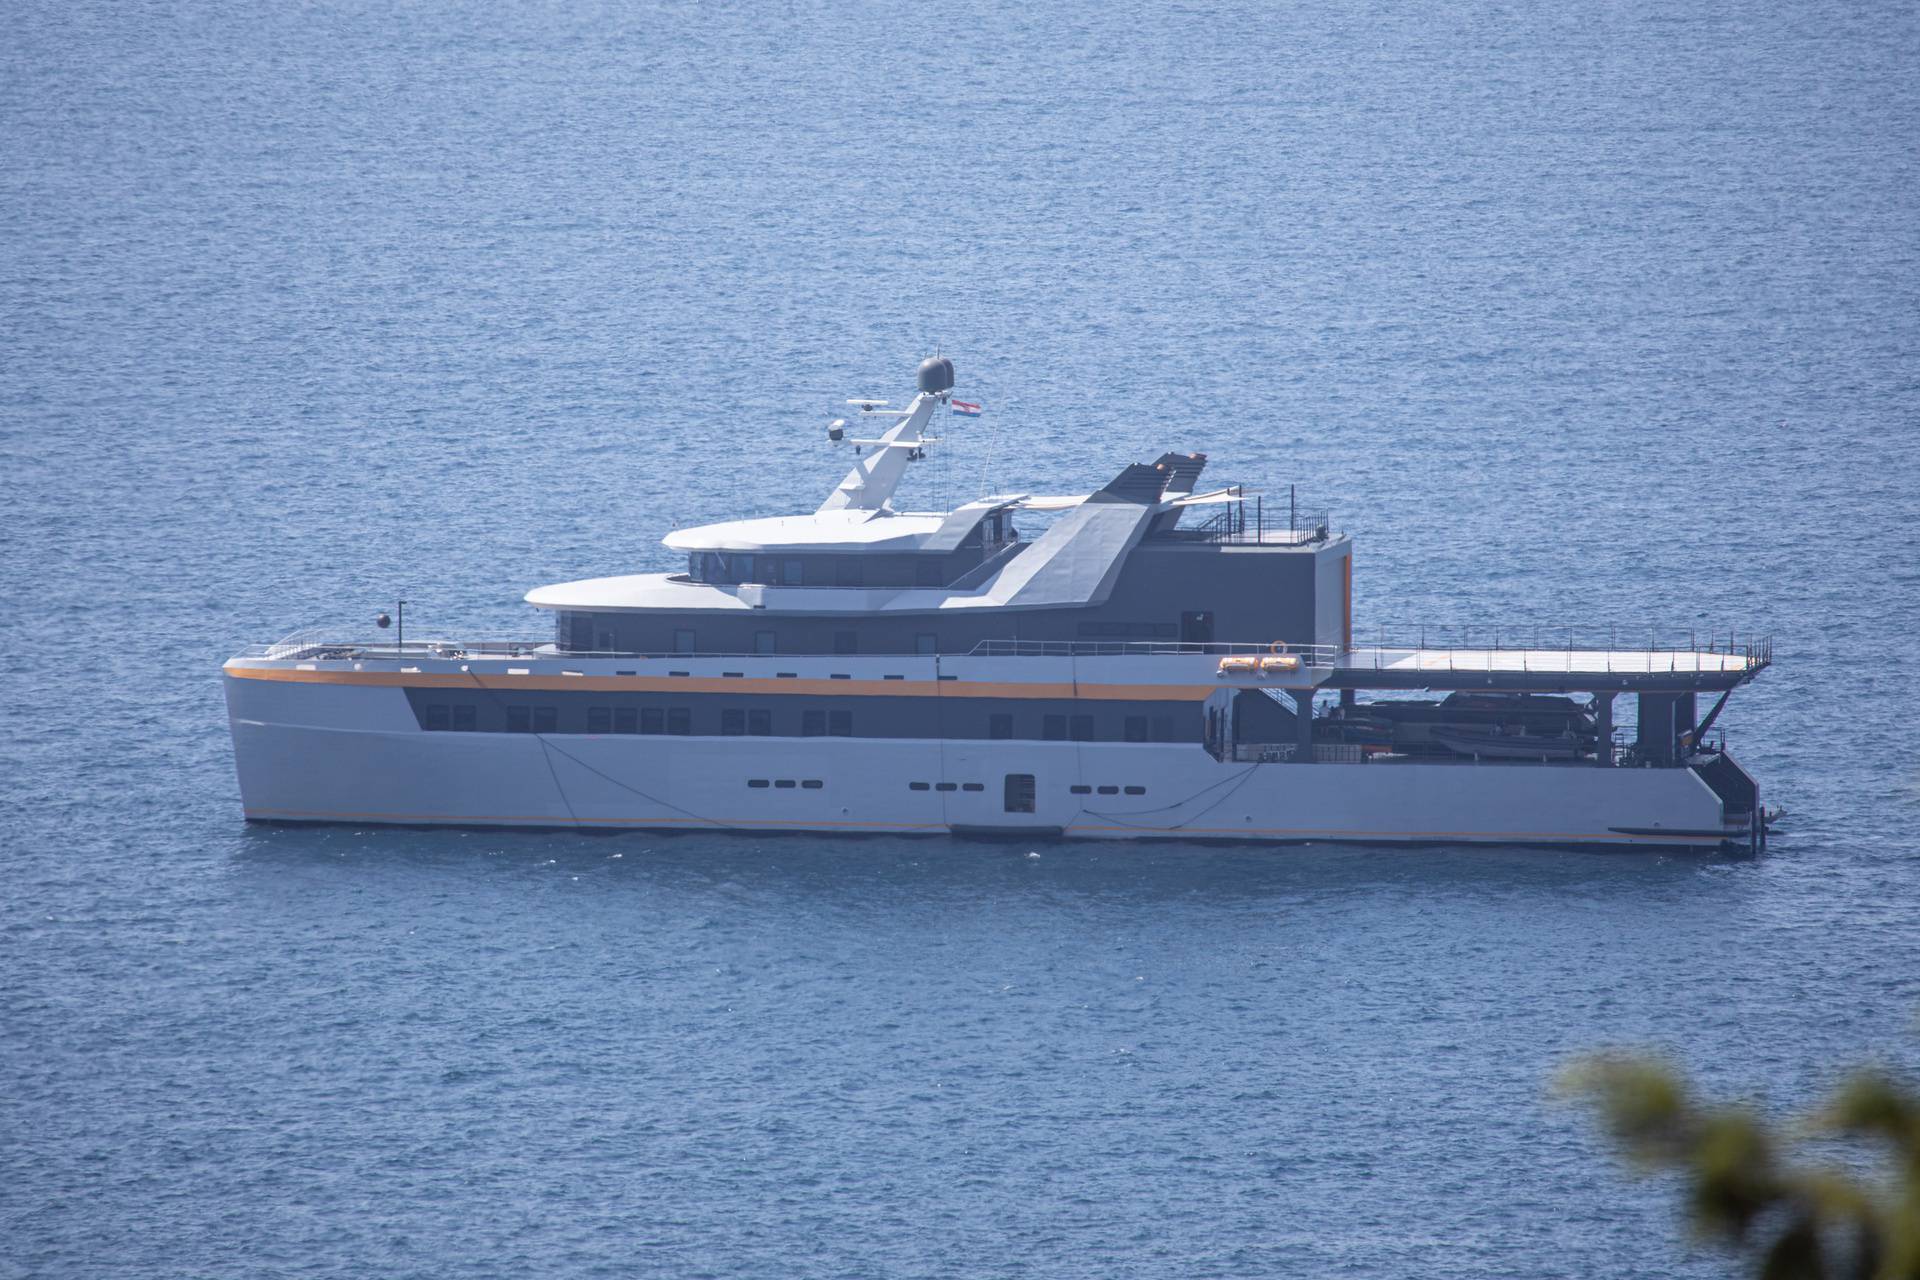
844,530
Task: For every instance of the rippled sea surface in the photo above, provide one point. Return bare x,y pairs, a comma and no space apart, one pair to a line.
1594,315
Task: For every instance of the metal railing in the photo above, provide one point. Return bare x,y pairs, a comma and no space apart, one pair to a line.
1559,650
1312,655
1235,523
1471,653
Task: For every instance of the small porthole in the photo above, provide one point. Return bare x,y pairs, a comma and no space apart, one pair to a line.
1136,791
811,784
973,786
756,782
783,784
1081,791
917,786
946,786
1109,791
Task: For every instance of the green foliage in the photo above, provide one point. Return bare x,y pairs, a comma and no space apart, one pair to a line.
1744,1186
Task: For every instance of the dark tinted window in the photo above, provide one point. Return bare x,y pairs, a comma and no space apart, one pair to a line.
1136,728
840,724
760,723
845,642
599,719
1054,728
926,573
683,640
783,784
973,786
439,718
733,723
811,784
1019,793
1163,728
519,719
653,720
1136,791
464,719
1000,726
1083,728
1081,791
1109,791
946,786
679,721
756,782
627,720
926,642
546,720
916,786
813,724
763,642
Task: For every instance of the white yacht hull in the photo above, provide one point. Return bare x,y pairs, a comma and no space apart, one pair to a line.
357,755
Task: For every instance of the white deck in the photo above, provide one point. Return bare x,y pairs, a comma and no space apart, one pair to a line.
1618,662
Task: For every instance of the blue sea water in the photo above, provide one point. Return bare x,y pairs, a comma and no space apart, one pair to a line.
1599,315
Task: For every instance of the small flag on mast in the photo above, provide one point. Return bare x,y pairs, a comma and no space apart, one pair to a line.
966,410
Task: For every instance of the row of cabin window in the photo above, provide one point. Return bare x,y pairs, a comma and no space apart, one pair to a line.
758,723
687,640
786,784
946,786
727,567
1065,728
1083,790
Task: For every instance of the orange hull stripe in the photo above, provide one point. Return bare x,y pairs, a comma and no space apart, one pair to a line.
722,684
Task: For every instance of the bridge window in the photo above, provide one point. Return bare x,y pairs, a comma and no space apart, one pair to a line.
763,642
926,642
683,640
846,642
